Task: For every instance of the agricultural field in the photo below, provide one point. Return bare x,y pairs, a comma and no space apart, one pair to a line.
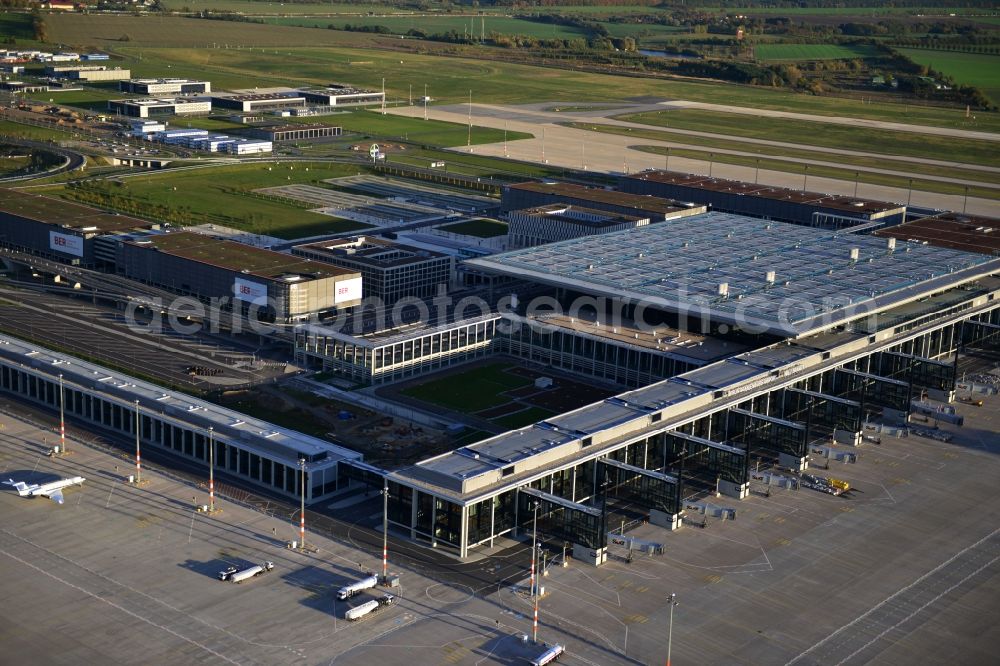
437,24
220,194
806,52
974,69
16,25
270,7
504,82
449,78
874,10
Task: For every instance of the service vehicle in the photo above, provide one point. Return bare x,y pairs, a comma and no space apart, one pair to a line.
369,607
349,591
251,572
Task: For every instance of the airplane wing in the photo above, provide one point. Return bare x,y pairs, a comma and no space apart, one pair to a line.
55,495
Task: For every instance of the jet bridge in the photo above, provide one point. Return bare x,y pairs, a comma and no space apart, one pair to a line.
978,333
787,438
656,491
936,377
825,413
713,462
559,518
891,395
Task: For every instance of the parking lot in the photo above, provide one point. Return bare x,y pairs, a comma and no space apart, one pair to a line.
902,568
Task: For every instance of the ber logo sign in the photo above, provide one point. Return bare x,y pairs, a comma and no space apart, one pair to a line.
66,243
252,292
347,290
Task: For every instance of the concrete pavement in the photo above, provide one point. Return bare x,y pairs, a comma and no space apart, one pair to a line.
556,145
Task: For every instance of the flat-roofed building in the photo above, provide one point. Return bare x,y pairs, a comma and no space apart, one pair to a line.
89,72
247,147
391,270
146,108
297,132
176,425
742,272
532,194
814,209
397,353
336,94
254,102
60,230
558,222
971,233
278,284
619,352
165,86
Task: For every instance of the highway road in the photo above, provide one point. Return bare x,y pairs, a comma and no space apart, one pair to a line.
556,145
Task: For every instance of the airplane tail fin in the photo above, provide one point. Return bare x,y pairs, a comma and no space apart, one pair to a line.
20,486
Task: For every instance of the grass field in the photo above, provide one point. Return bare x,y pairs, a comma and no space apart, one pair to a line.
704,145
253,7
426,132
975,69
846,167
523,418
823,171
16,25
21,131
337,56
874,10
470,391
804,52
13,164
479,25
209,191
91,97
476,25
809,133
478,228
270,7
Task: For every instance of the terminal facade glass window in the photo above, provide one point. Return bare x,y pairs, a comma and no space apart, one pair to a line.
159,430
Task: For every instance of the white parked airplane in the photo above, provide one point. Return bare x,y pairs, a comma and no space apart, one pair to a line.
52,489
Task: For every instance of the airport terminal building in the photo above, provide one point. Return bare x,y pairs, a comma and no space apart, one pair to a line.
901,313
258,453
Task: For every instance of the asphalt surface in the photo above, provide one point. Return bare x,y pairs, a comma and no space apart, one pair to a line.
904,569
556,145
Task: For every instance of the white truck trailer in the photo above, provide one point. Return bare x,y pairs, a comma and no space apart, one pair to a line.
368,608
551,654
349,591
251,572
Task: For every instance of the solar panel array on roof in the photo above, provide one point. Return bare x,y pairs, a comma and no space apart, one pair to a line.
742,269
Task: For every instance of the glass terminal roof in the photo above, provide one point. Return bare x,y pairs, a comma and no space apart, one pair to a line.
781,278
